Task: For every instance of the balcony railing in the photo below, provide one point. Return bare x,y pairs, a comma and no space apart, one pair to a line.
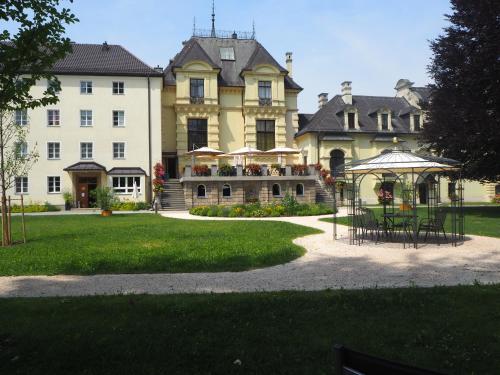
253,170
197,100
265,102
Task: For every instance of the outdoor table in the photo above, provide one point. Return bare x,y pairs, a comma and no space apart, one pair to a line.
390,217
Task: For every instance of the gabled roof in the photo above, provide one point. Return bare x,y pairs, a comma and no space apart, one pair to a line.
83,166
330,118
247,52
102,59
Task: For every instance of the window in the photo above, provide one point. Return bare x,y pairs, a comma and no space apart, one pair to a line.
227,53
125,184
21,149
118,118
54,184
53,118
86,150
202,191
197,133
337,159
197,90
276,190
265,96
416,123
384,118
265,134
118,88
451,189
226,190
299,190
53,150
118,150
351,120
21,117
497,189
53,86
21,185
85,117
85,87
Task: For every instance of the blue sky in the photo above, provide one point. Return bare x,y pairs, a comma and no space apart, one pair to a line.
372,43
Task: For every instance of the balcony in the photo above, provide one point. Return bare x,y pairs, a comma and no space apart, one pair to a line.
251,171
197,100
265,102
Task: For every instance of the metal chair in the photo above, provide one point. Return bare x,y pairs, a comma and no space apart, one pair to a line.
371,224
435,225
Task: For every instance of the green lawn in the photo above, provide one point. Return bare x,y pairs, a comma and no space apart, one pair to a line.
145,243
454,330
483,221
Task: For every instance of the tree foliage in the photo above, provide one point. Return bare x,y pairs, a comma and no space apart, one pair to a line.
463,120
26,57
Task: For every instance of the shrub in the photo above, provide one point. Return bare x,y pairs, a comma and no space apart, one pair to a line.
129,206
105,197
253,170
290,204
34,207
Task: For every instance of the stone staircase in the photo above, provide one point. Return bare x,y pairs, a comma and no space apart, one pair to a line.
322,194
172,198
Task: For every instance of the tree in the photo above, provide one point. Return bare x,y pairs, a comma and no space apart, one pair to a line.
26,57
463,115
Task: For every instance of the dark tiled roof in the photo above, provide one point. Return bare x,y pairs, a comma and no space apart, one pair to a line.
423,93
126,171
102,59
330,118
304,119
247,52
85,166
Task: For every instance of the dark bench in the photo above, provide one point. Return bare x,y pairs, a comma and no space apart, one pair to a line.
350,362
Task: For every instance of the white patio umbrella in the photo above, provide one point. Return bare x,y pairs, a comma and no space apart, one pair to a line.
135,191
246,151
203,151
280,151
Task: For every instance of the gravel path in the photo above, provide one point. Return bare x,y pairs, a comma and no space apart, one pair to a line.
327,264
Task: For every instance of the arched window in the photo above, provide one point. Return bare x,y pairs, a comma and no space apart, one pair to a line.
299,190
337,159
276,190
202,191
226,190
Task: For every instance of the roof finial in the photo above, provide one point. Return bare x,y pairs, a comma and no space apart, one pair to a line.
253,29
212,34
194,26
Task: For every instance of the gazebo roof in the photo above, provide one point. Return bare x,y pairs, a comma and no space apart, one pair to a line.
398,161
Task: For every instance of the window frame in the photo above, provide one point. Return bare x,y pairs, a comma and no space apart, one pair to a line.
228,54
224,187
85,123
127,187
197,137
86,87
119,89
21,117
54,116
385,115
194,89
54,185
416,124
24,185
351,115
53,151
122,151
204,191
303,190
279,190
21,149
266,139
91,151
117,112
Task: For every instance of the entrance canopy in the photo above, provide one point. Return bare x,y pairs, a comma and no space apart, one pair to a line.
85,166
398,161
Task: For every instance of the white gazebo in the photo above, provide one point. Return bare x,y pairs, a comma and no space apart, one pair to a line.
404,170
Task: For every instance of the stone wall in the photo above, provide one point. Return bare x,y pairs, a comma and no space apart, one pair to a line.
246,190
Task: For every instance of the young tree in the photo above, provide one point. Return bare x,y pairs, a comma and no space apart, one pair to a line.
26,57
463,118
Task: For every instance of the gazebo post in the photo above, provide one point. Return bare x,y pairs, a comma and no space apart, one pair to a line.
414,221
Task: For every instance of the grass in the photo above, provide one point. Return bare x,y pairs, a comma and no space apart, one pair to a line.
450,329
145,243
482,221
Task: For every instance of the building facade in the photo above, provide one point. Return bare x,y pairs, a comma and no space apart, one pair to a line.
104,131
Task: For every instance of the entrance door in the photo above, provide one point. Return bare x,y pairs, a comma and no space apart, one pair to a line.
83,195
171,167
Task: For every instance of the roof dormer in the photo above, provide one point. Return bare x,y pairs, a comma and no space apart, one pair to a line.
384,119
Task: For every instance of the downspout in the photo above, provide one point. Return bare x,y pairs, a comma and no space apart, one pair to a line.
149,140
317,146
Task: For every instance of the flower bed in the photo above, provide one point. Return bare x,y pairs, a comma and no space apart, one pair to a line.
258,210
129,206
35,207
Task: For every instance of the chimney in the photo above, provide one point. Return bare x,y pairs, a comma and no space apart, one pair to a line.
158,68
289,63
105,46
322,99
234,35
346,92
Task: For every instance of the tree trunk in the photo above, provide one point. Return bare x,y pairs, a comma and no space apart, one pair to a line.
3,192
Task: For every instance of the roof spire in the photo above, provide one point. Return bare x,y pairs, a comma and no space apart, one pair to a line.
212,34
194,26
253,29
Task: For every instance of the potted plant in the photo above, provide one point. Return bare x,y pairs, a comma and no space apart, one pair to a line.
225,170
299,169
253,170
201,170
105,199
384,196
275,169
68,200
158,184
